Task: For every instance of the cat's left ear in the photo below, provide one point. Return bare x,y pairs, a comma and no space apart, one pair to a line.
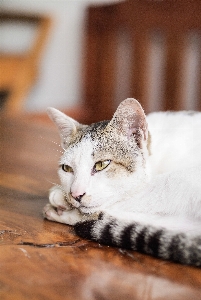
67,126
130,120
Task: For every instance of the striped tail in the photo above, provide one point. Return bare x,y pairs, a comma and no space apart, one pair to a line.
178,247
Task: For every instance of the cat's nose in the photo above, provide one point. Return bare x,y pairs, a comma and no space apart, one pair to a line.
77,197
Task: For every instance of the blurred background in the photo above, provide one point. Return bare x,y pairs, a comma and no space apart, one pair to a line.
59,40
59,80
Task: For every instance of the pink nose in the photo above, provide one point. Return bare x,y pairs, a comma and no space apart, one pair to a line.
77,197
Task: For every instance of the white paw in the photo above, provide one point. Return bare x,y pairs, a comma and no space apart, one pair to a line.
48,212
57,199
70,217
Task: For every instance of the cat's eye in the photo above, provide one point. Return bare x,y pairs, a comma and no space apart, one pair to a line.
100,165
67,168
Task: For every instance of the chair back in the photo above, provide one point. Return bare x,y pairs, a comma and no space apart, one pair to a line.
149,50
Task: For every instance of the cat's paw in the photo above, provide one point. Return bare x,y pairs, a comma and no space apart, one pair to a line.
57,199
70,217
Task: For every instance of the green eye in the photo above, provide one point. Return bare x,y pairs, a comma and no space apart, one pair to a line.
100,165
67,168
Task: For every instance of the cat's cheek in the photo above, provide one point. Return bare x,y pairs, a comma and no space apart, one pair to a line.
116,170
66,180
100,191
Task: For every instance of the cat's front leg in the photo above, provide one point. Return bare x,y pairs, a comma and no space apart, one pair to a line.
57,198
59,210
69,217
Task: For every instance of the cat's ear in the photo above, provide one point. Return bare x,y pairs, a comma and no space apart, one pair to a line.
67,126
130,120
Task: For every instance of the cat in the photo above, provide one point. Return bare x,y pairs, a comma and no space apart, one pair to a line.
133,182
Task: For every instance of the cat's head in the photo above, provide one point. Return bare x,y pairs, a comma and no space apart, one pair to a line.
104,162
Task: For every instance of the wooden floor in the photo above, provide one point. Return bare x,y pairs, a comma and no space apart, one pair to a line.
43,260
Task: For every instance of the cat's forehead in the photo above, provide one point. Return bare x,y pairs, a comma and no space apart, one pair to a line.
90,133
103,142
86,138
95,130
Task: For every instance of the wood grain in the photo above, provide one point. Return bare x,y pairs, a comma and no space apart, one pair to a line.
41,260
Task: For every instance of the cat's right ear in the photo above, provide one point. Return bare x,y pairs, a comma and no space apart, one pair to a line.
67,126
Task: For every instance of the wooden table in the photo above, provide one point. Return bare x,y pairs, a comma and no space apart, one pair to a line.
43,260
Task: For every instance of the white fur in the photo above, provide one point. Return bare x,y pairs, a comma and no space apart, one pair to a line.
166,191
176,141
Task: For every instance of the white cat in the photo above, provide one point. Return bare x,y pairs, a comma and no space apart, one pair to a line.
132,182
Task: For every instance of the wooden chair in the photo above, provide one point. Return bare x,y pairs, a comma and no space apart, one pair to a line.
144,49
18,71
